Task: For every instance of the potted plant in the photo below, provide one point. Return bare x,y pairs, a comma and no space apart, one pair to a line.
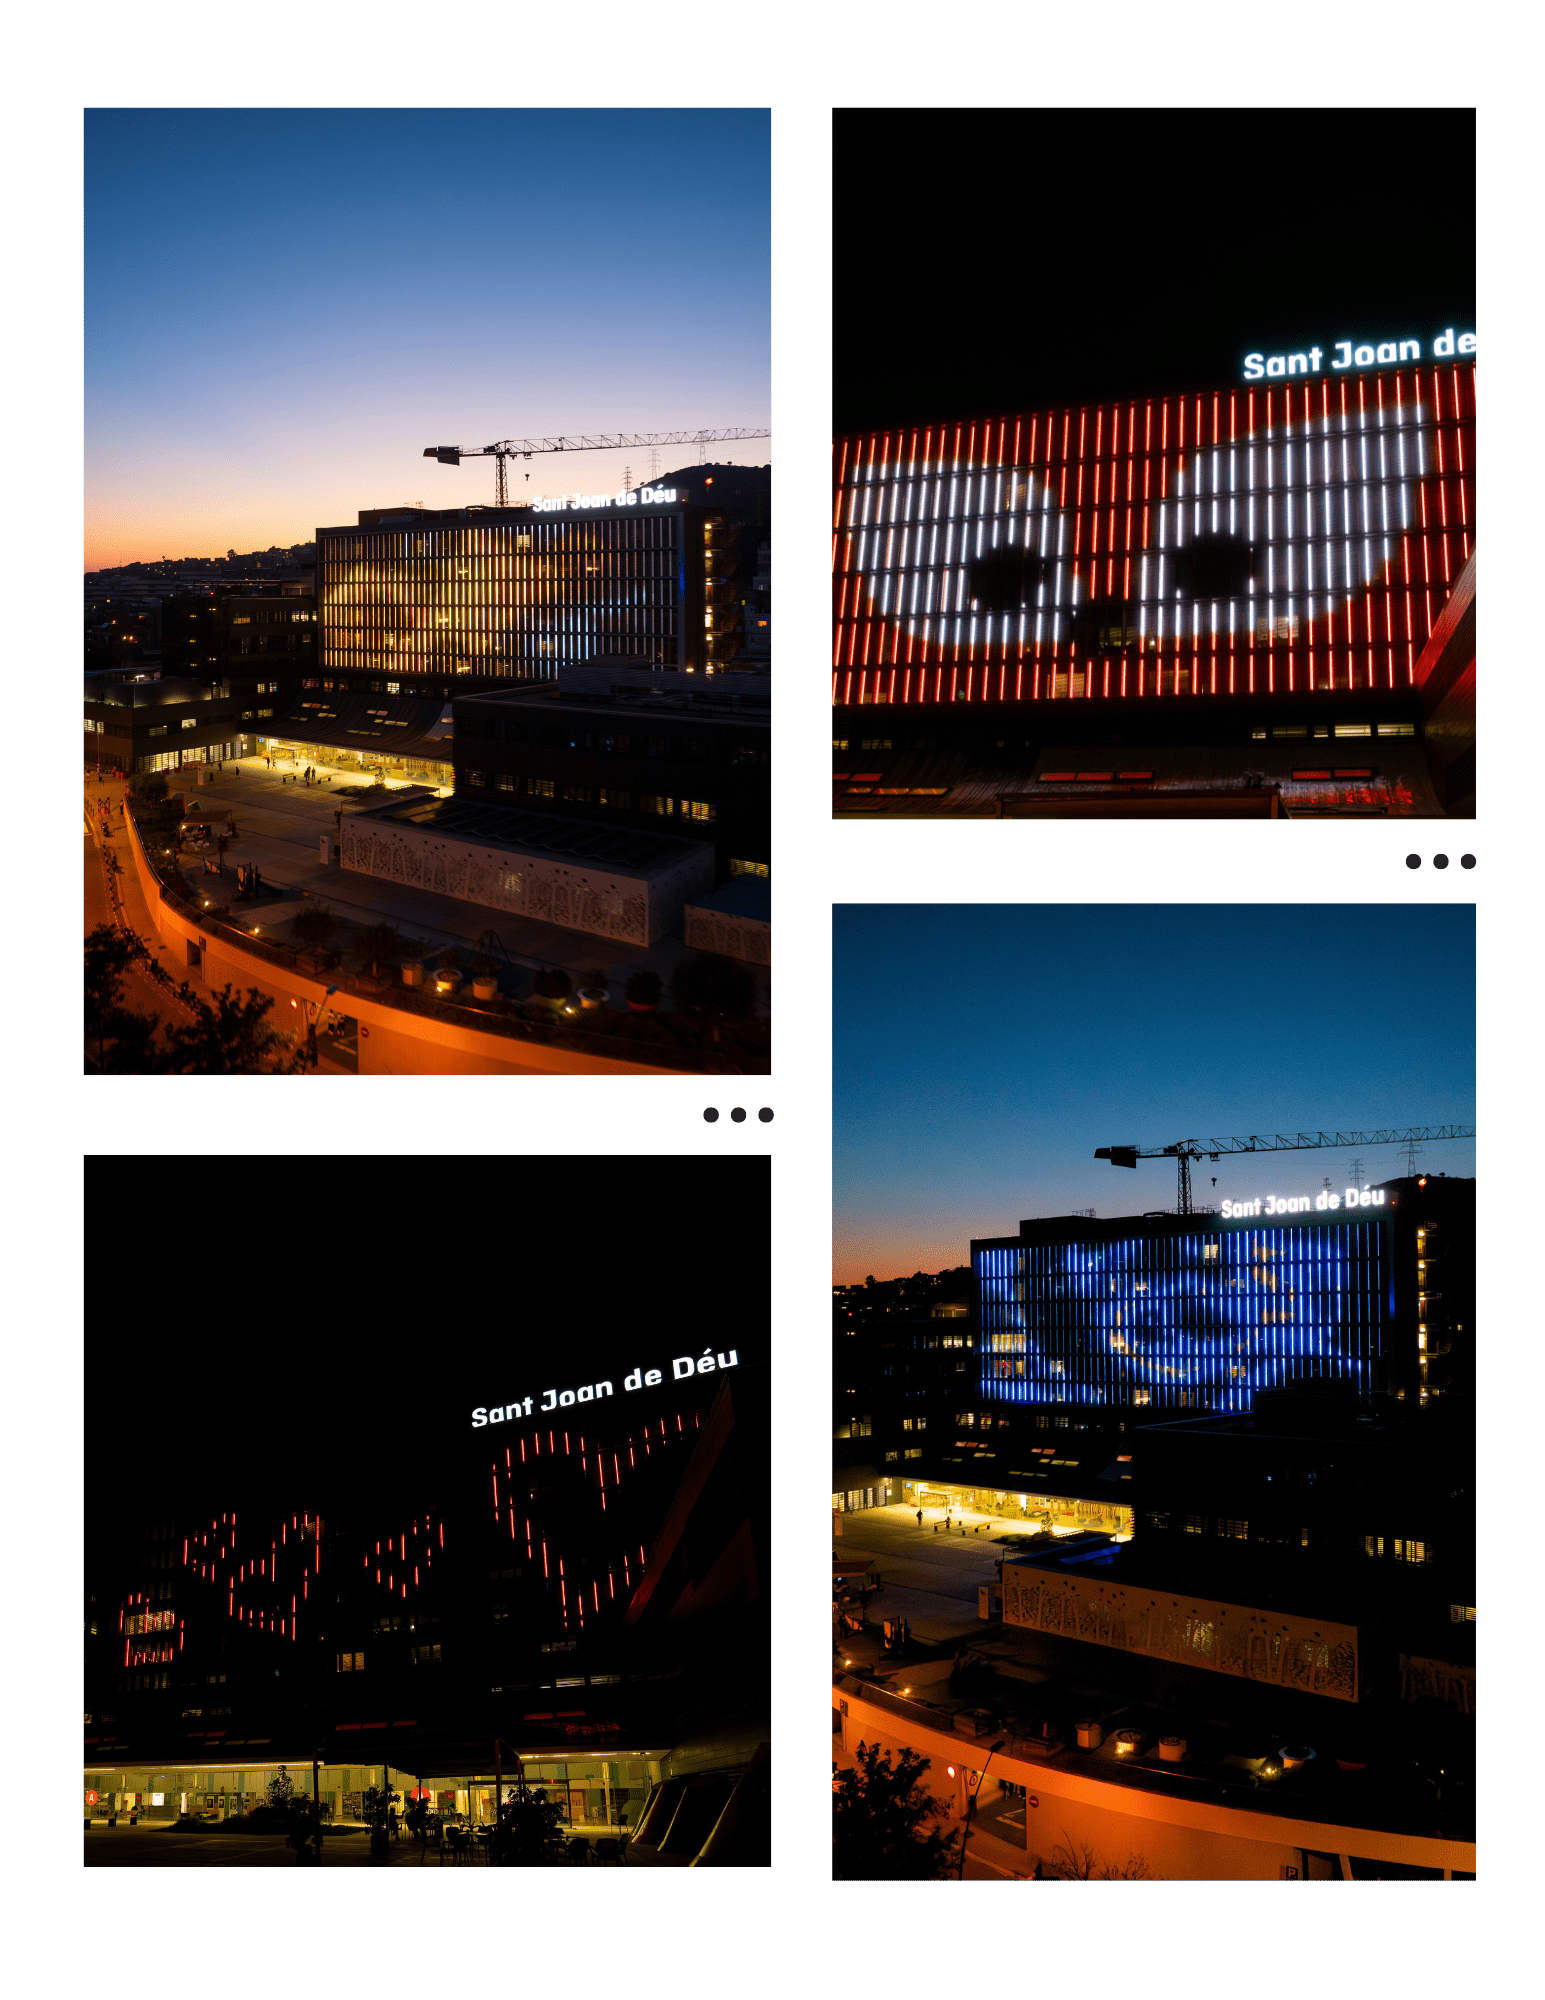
552,986
642,991
592,987
485,976
413,951
376,1807
448,971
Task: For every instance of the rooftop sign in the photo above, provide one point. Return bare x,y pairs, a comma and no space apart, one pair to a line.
1302,1204
640,496
707,1363
1344,355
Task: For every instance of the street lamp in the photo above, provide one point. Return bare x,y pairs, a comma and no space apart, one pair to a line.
971,1807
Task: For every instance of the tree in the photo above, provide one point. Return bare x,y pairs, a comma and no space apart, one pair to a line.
374,944
148,786
109,957
109,954
528,1834
132,1049
313,923
231,1038
280,1792
721,989
881,1821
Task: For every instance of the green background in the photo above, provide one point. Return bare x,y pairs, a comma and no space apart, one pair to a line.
707,1931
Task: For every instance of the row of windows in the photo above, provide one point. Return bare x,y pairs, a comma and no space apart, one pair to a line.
611,742
1400,1547
702,811
418,1656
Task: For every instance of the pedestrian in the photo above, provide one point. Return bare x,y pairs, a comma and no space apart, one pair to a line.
919,1517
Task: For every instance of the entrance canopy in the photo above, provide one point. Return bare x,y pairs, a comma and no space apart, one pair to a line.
371,724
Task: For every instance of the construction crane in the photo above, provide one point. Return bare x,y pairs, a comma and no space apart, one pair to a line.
1184,1151
508,448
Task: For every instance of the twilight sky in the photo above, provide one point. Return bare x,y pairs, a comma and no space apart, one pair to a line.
982,1052
284,307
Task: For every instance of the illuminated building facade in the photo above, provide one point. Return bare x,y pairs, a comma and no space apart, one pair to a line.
413,601
1294,536
535,1601
1201,1312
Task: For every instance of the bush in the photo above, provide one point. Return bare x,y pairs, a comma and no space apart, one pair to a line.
148,786
720,988
412,949
552,983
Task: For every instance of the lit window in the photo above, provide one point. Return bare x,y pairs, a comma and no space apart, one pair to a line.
351,1663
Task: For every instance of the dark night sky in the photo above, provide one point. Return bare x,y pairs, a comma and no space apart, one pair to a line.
334,1321
990,262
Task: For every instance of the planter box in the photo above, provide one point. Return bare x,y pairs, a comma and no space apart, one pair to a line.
413,973
486,989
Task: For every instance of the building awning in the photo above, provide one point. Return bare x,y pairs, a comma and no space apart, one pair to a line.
373,724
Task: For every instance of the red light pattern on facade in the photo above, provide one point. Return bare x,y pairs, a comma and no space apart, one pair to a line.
1287,540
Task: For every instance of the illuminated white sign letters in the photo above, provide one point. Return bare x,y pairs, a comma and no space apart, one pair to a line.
708,1363
1346,354
641,496
1302,1204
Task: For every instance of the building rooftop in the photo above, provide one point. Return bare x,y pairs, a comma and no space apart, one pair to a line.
541,833
745,896
724,695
